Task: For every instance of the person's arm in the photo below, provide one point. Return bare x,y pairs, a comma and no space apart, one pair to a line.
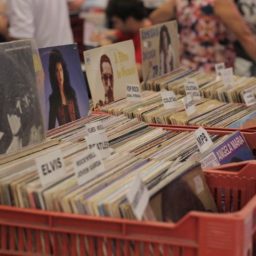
106,37
21,19
233,20
165,12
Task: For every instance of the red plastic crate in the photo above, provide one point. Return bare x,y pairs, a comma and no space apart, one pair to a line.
35,232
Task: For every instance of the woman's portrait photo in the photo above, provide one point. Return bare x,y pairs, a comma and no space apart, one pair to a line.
165,51
65,89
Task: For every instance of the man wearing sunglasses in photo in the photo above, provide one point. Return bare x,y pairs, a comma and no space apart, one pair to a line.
107,78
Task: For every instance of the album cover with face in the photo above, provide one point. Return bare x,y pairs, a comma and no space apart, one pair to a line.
66,93
160,50
109,70
21,122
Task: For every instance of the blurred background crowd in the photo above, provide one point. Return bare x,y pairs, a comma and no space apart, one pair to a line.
210,31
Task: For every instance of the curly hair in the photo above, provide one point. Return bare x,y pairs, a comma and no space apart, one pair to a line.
124,9
54,58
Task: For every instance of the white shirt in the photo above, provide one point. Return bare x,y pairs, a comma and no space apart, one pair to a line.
47,21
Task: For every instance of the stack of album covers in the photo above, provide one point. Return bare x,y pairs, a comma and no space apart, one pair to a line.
242,85
175,80
209,112
160,157
209,85
214,107
114,65
164,160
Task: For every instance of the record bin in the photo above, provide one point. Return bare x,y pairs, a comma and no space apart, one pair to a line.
230,233
248,133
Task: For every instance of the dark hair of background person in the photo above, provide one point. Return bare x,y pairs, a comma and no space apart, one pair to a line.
163,30
56,57
124,9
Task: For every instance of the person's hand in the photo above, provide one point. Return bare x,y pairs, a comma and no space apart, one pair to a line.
103,37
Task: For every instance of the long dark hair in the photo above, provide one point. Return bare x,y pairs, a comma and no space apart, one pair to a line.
54,58
163,30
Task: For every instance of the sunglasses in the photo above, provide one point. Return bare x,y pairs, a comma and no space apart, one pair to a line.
107,77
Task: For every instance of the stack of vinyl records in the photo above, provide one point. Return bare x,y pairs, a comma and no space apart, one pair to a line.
209,85
159,157
208,112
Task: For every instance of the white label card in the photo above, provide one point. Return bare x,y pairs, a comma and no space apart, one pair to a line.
100,142
50,167
95,127
203,139
192,89
133,92
189,105
249,98
138,197
218,68
228,78
169,99
88,166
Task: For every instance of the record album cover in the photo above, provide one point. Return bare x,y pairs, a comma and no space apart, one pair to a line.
233,148
160,50
21,122
66,94
185,190
109,70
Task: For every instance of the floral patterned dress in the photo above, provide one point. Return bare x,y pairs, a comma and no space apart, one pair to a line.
204,39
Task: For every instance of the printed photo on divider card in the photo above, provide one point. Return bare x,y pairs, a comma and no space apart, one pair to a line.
21,121
109,69
160,49
66,94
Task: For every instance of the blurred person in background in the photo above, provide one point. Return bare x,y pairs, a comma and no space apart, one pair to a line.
208,31
127,18
47,21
